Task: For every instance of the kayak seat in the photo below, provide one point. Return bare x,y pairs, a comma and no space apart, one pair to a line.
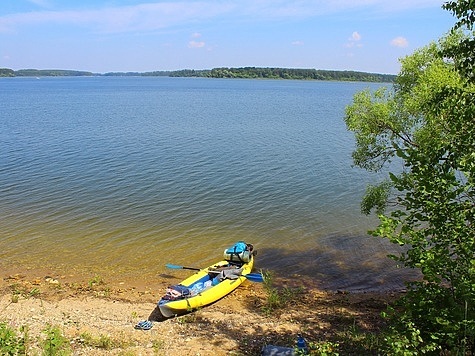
213,272
220,274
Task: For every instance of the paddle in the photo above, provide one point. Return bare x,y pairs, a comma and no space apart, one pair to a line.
169,265
253,277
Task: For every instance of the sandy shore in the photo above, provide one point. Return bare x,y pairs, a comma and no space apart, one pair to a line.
97,316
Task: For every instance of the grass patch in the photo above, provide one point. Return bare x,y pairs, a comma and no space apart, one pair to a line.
277,298
19,290
55,343
104,342
158,345
96,281
12,342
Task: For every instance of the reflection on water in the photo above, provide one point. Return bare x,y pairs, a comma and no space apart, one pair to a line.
351,263
119,174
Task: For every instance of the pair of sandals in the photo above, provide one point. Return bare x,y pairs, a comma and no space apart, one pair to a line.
144,325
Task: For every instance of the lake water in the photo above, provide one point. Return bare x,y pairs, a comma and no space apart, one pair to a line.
126,174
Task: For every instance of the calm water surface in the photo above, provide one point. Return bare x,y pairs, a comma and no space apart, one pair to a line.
128,174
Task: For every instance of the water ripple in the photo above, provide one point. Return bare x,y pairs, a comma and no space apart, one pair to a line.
103,171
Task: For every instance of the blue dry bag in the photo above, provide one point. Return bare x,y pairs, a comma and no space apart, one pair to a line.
239,252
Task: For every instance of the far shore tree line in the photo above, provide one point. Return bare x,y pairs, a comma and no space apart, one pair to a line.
245,73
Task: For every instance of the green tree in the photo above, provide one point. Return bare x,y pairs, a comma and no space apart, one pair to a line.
463,52
5,72
427,123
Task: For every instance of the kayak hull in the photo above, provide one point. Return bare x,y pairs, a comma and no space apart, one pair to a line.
207,296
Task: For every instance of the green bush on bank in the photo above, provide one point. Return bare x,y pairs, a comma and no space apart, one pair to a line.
426,126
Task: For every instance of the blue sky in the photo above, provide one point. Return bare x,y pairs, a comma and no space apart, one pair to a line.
147,35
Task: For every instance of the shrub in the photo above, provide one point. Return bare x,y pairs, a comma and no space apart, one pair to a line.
55,343
10,342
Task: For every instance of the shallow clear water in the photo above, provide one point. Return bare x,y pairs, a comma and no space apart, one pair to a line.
128,174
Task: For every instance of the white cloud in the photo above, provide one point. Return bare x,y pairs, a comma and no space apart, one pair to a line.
297,43
400,42
354,40
196,44
142,17
151,16
155,15
355,36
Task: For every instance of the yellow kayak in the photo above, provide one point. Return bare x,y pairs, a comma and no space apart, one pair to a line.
208,285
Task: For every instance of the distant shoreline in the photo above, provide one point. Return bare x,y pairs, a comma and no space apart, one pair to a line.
243,73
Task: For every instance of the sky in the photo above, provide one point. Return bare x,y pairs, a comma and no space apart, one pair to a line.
149,35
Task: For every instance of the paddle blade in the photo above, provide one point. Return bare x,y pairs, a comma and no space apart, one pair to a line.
254,277
169,265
